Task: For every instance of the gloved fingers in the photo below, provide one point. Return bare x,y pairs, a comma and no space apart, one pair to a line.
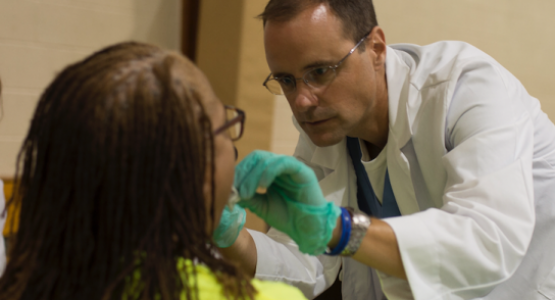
249,162
236,213
231,223
294,180
230,216
270,207
304,175
288,173
262,168
307,193
278,167
258,204
248,172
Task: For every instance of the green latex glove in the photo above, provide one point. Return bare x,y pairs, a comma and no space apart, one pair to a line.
231,223
293,203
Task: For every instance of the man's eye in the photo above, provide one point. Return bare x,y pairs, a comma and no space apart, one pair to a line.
320,76
286,81
320,71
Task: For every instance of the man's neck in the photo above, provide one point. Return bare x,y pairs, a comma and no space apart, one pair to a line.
373,150
376,134
376,128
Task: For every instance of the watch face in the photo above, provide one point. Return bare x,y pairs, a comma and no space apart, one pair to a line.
359,227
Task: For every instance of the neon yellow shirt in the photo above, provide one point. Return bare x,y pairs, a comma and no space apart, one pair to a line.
210,288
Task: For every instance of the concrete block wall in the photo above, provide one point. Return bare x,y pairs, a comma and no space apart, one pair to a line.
284,133
38,38
518,34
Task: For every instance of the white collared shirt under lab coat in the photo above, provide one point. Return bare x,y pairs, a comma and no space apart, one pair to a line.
471,159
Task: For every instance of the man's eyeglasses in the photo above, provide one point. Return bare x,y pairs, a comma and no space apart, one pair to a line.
315,78
235,119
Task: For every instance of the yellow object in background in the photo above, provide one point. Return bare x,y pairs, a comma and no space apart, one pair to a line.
12,223
261,190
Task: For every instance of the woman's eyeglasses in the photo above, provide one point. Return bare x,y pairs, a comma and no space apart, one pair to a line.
234,125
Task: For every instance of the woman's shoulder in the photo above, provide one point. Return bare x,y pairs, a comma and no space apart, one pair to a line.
270,290
210,288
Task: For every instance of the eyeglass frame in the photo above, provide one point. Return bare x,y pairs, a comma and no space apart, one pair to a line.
241,116
303,78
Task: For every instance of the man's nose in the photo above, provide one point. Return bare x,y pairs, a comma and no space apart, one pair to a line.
304,97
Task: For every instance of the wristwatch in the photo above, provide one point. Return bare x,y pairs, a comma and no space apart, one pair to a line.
359,225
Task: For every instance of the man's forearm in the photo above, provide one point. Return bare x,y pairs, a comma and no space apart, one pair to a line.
243,251
379,248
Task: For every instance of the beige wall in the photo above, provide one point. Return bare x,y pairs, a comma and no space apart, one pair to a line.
284,133
230,52
39,37
518,34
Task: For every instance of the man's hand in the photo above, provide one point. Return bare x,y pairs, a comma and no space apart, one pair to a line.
231,223
293,202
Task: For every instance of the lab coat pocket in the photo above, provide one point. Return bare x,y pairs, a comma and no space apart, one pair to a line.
547,288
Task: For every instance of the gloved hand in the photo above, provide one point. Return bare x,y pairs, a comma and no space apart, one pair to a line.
231,223
293,203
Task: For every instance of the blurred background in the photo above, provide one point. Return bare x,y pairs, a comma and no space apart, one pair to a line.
40,37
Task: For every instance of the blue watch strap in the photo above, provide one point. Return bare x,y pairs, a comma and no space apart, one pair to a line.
345,233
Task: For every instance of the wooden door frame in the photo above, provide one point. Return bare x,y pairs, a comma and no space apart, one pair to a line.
189,28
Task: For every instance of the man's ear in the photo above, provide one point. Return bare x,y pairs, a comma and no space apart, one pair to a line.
376,44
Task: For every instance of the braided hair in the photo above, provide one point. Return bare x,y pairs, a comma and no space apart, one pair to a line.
110,184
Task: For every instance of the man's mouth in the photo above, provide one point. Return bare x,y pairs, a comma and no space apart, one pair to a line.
316,122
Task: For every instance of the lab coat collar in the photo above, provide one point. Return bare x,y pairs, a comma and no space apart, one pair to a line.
329,157
398,83
401,116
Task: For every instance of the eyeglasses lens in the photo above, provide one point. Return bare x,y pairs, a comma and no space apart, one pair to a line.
235,130
315,78
320,76
275,87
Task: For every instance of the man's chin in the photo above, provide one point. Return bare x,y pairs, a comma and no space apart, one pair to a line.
325,140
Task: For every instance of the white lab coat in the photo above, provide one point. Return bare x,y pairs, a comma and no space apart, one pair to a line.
471,160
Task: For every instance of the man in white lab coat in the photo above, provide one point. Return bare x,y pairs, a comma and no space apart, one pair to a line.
468,154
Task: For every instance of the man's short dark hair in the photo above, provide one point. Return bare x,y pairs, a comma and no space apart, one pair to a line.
358,16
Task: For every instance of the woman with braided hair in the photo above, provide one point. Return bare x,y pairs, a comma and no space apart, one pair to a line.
121,181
